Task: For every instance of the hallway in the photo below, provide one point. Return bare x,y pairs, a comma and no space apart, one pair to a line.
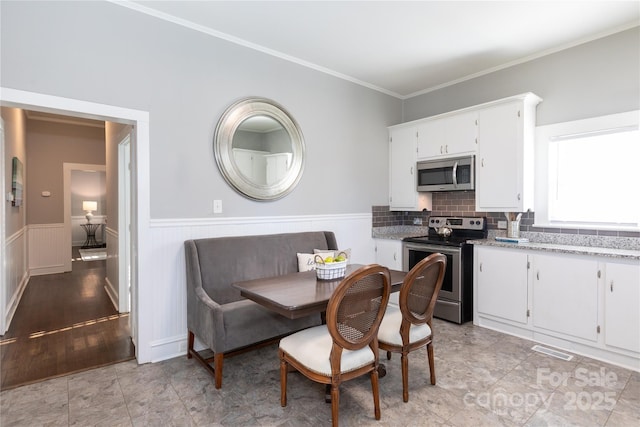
64,323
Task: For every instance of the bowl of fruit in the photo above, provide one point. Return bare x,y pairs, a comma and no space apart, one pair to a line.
331,268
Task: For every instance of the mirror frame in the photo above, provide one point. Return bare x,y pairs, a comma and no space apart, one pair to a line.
226,128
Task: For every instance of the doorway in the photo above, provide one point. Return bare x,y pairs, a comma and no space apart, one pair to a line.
139,192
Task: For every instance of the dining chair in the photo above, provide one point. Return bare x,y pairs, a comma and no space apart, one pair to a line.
408,327
346,346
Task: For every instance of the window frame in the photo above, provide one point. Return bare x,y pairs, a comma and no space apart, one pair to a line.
543,140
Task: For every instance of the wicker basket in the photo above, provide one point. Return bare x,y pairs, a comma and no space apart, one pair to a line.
330,271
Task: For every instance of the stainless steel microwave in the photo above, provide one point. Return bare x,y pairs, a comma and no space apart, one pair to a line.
454,174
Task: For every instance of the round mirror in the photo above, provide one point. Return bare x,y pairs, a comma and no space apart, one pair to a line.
259,149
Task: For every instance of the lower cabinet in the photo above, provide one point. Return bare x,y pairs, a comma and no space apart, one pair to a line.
565,295
583,304
502,288
389,253
621,303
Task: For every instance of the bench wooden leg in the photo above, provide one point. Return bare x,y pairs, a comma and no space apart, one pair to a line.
218,358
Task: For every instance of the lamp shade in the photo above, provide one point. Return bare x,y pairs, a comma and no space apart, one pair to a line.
89,205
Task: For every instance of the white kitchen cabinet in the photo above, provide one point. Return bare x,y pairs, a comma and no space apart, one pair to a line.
565,295
501,284
403,195
621,303
448,136
504,163
389,253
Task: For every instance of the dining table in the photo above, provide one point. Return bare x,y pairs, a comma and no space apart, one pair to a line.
300,294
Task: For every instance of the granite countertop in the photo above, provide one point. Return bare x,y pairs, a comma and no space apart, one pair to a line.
621,248
399,232
619,251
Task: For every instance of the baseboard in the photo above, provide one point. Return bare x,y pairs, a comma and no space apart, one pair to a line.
111,293
169,348
52,269
15,300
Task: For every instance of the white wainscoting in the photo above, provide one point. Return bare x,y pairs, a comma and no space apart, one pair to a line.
45,248
16,272
112,266
169,304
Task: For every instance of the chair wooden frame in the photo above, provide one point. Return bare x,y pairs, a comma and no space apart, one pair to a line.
341,342
408,319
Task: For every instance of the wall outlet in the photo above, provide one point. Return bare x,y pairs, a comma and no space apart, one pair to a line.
502,225
417,221
217,207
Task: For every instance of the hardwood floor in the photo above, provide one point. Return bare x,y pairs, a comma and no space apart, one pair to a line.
64,323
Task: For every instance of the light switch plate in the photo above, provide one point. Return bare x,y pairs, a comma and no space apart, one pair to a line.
217,206
502,225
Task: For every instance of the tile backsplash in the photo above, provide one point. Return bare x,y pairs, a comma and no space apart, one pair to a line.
463,203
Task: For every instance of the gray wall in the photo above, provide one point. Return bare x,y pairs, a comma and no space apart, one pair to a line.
49,146
104,53
15,141
593,79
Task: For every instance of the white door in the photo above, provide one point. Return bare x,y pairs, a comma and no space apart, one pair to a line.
124,225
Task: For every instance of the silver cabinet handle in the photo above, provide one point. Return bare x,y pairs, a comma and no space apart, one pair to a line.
395,256
611,286
455,174
446,148
441,150
480,267
518,196
538,275
411,170
482,162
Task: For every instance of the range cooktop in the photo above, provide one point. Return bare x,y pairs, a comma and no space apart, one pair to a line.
461,229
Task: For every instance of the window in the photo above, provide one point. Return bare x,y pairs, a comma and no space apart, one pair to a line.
588,173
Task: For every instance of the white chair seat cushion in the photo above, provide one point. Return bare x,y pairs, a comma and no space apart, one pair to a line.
312,348
389,331
394,299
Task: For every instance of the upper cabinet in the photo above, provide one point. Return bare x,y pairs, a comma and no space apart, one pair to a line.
504,163
499,133
448,136
403,195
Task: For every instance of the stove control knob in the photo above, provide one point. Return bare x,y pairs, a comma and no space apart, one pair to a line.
478,222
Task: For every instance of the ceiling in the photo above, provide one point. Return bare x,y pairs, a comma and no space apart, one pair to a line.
397,47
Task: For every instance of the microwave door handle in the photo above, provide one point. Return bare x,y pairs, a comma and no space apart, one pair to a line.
455,174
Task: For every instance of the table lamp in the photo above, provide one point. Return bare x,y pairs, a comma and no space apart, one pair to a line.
89,206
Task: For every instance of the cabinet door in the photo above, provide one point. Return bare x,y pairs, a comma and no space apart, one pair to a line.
501,276
389,253
403,194
461,132
622,306
431,139
499,161
448,136
565,295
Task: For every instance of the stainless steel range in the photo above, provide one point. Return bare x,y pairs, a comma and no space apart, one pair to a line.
448,236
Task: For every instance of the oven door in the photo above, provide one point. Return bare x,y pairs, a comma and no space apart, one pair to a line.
413,253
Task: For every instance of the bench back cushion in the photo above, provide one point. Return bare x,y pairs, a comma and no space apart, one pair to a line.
225,260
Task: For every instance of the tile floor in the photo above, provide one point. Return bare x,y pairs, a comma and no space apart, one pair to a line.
484,378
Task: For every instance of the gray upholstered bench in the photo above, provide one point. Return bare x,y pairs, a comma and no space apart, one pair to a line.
216,313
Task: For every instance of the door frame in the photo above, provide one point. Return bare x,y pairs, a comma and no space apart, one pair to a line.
141,289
